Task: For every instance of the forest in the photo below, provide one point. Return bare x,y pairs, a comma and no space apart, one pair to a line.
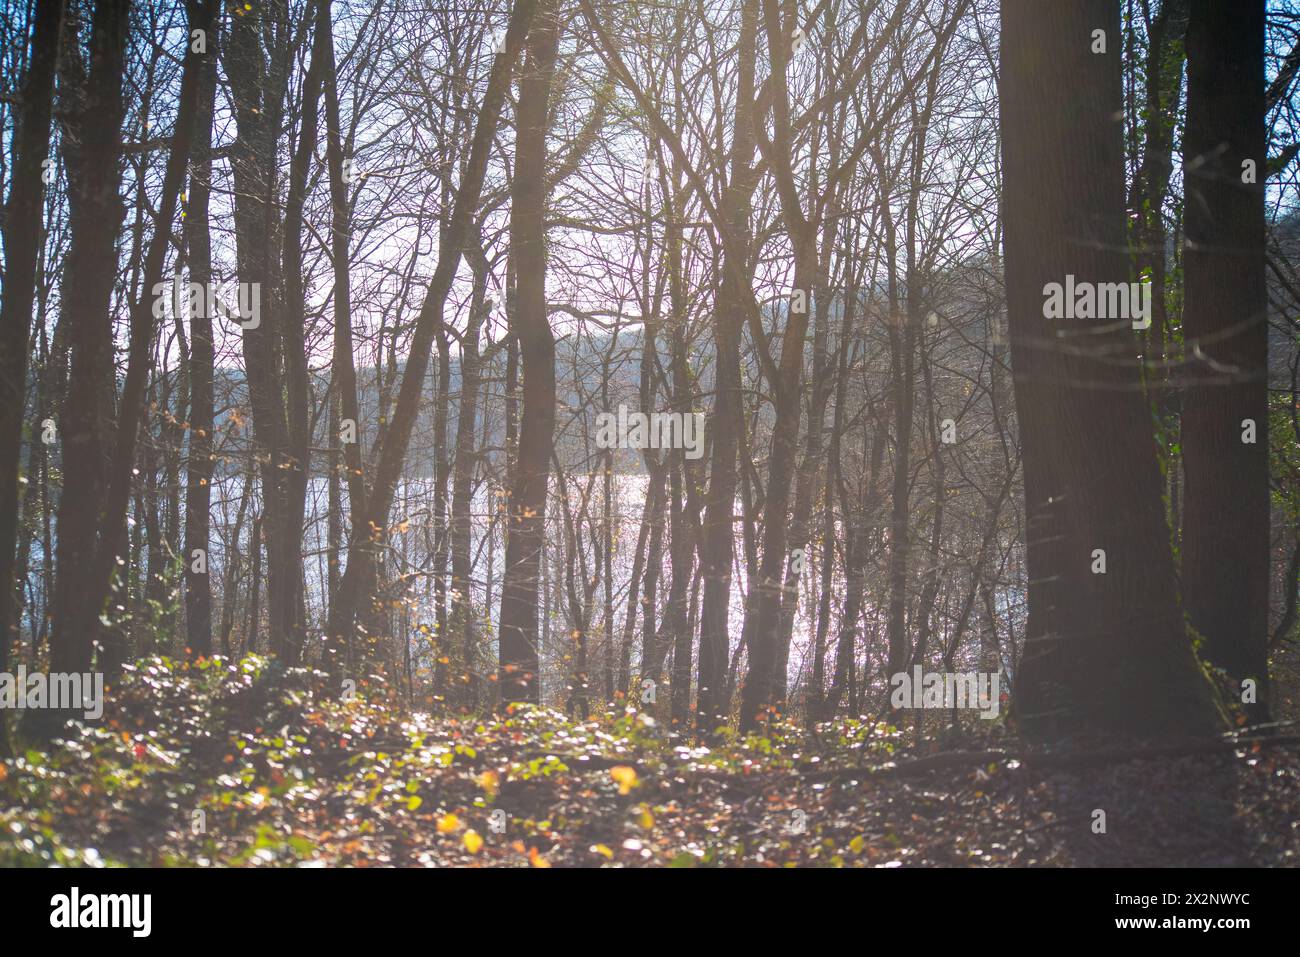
682,433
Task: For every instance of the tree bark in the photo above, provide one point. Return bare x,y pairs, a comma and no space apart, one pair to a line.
764,688
518,662
256,98
461,642
22,243
1105,651
94,143
1225,326
717,539
199,466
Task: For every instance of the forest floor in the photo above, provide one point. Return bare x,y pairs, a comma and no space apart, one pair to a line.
245,763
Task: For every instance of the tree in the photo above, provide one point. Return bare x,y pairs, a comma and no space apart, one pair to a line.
1225,327
257,63
199,466
369,528
717,535
1106,646
94,148
22,240
518,673
112,514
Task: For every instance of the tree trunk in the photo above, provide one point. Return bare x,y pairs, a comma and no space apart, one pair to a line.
519,591
254,93
199,467
1225,326
777,581
717,540
461,642
685,515
22,243
94,143
1105,650
296,468
902,356
143,328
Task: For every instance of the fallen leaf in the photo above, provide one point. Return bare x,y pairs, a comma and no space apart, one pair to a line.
624,777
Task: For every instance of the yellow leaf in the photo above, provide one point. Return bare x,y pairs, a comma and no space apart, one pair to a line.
472,841
603,851
624,777
448,823
857,844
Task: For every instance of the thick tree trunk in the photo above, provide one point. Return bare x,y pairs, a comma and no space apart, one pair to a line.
1225,326
296,469
777,583
1105,650
143,329
717,539
519,591
22,243
807,479
255,97
94,141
